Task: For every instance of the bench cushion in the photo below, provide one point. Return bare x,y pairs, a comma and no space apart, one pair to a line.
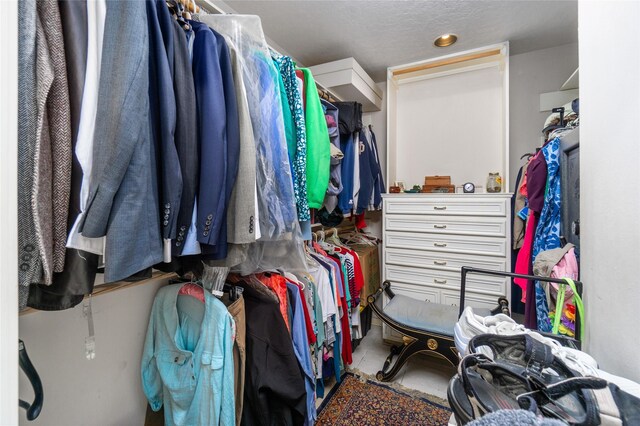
430,317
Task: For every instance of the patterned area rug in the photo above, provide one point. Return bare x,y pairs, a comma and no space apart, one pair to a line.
359,401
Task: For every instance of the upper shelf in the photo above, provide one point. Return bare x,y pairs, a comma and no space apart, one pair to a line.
349,81
572,82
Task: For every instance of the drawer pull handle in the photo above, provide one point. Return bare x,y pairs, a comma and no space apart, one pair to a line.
437,281
439,207
440,226
440,262
440,244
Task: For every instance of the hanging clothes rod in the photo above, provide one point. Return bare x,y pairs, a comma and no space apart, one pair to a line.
335,230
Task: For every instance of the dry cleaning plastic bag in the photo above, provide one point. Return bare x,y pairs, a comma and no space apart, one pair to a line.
280,245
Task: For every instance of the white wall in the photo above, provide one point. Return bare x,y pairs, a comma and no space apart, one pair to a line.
530,74
451,125
9,214
106,390
609,167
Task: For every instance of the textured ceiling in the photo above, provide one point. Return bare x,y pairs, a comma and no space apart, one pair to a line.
379,34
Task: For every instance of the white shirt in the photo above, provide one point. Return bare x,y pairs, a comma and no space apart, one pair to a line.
96,14
356,171
325,295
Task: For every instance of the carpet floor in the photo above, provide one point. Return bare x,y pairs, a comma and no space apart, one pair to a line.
361,401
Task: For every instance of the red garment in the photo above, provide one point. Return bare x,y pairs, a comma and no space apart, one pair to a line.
311,334
359,275
300,75
347,351
278,284
523,261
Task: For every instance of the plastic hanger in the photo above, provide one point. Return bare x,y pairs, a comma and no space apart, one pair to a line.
33,409
192,289
334,238
356,237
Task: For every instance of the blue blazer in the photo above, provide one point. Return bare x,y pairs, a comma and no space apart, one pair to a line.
123,196
218,135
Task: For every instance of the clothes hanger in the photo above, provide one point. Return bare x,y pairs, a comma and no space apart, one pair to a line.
177,10
334,238
33,409
528,155
307,248
192,289
357,237
214,278
235,292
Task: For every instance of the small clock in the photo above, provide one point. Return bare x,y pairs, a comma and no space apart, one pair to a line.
469,188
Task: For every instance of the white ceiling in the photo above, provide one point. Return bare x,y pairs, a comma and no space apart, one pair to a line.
379,34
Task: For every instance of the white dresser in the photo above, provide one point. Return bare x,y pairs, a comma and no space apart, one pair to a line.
428,237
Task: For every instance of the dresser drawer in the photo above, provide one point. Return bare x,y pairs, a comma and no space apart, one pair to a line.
419,292
437,279
481,226
487,246
444,261
475,300
461,206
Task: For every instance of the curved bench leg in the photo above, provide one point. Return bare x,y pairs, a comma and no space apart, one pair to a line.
395,350
407,351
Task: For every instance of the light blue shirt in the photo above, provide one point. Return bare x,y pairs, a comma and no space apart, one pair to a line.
301,349
187,361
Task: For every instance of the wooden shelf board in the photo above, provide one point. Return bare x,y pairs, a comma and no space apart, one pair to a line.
102,289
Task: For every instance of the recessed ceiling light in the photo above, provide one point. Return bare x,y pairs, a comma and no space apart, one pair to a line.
445,40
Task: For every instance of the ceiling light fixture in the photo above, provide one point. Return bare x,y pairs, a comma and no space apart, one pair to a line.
445,40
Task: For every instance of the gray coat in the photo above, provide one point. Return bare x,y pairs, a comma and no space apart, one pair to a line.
29,264
77,278
186,136
123,196
54,152
44,145
242,205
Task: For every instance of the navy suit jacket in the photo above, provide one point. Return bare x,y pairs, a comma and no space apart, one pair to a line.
218,136
162,102
233,143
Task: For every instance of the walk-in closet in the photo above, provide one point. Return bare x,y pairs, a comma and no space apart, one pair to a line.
321,213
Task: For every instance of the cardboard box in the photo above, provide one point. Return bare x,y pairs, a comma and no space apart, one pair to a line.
370,262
